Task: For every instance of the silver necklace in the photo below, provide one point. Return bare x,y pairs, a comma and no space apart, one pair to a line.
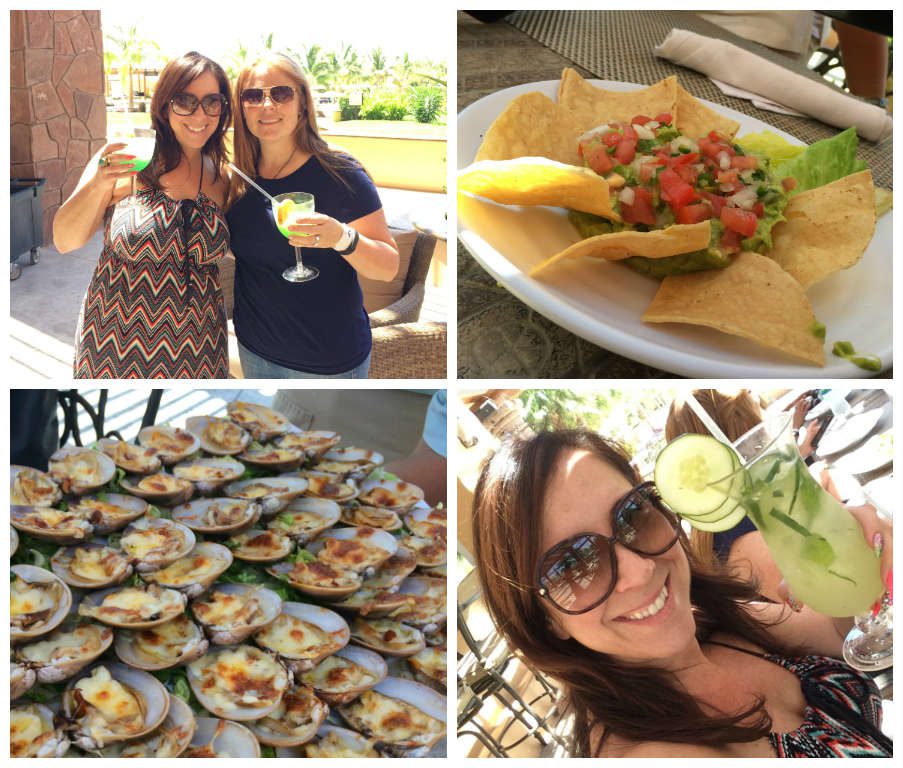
282,168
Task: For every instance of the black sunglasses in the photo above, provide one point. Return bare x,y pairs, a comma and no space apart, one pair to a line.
580,573
185,104
279,94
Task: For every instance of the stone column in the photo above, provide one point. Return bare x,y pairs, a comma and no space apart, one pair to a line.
58,115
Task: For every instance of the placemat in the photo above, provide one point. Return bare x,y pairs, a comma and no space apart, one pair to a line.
618,45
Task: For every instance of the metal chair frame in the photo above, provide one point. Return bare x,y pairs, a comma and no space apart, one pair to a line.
71,400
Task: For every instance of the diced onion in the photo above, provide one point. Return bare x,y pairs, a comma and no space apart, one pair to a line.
746,198
724,160
627,196
653,124
643,132
598,130
683,142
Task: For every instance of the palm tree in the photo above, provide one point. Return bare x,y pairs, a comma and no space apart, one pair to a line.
131,53
109,62
402,70
314,64
350,66
379,67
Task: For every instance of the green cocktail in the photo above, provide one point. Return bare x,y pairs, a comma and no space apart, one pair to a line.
287,209
141,144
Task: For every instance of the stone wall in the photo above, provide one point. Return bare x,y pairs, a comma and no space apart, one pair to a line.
58,116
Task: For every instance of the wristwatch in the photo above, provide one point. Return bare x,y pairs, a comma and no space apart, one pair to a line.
347,242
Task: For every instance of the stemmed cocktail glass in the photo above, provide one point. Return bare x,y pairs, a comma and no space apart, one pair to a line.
287,208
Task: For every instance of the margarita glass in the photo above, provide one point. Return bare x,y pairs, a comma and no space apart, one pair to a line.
287,209
141,143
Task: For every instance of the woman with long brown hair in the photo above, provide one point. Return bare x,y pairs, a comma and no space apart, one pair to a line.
316,329
154,308
590,578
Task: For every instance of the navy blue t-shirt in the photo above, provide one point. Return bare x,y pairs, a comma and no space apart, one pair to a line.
319,326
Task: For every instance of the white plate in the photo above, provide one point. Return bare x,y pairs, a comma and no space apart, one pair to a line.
884,494
842,433
866,459
603,303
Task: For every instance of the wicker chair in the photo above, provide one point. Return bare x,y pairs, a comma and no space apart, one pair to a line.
402,347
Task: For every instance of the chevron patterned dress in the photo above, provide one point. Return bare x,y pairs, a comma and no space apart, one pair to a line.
154,308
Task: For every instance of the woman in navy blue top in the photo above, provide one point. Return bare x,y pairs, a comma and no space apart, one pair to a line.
319,328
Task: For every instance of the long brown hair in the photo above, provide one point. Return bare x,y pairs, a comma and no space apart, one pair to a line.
735,414
607,696
174,78
246,146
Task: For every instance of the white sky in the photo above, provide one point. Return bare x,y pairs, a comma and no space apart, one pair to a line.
421,30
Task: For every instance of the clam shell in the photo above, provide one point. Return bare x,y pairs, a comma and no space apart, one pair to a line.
120,567
222,738
13,541
299,659
151,690
422,519
390,494
196,571
314,443
333,741
209,474
357,462
237,711
194,515
273,459
129,644
21,678
71,528
175,605
393,571
263,423
31,487
159,488
377,547
372,633
221,437
337,693
305,518
417,695
320,580
112,512
180,541
269,607
171,739
430,667
81,470
373,517
272,493
172,444
324,485
429,597
31,574
272,730
51,743
65,663
278,546
135,459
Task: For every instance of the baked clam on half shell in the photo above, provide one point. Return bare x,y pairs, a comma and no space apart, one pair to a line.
229,613
215,737
48,524
346,674
32,488
134,459
81,470
220,437
257,546
263,423
317,579
38,602
314,443
209,474
272,493
195,572
387,636
305,518
171,739
304,634
273,458
133,607
173,643
92,565
295,721
109,512
325,485
159,488
33,732
333,741
171,444
65,652
154,543
216,516
359,549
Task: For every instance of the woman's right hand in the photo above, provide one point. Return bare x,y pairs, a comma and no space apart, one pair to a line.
113,165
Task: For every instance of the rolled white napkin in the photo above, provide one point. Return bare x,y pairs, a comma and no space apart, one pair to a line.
736,66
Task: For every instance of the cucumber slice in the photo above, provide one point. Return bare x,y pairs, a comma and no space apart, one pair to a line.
724,524
684,470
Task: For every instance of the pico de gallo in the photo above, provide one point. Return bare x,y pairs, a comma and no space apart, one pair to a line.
659,177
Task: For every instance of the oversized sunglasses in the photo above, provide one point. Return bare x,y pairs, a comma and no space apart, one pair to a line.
580,573
185,104
279,94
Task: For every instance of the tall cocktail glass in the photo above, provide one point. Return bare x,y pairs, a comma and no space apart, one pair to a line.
287,208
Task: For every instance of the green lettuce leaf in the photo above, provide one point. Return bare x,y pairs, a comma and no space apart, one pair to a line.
822,162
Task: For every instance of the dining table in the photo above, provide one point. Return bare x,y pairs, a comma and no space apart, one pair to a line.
499,335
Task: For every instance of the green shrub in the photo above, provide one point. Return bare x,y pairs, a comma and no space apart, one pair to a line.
349,112
384,109
426,103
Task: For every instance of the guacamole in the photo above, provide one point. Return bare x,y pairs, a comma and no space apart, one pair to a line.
658,178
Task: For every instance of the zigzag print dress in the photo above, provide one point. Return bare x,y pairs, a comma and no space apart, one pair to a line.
154,308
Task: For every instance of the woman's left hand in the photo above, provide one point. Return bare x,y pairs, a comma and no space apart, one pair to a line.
879,532
316,230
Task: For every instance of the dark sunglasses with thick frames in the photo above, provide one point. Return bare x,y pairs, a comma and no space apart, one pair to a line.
580,573
185,104
279,94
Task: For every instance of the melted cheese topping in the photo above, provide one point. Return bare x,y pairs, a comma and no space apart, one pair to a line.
327,487
188,570
80,642
392,720
113,703
87,507
197,472
381,497
133,456
271,455
385,633
141,542
166,641
291,636
351,553
259,490
226,610
95,563
298,709
160,483
79,468
240,676
318,574
31,487
45,518
335,674
378,518
26,598
26,730
224,434
333,745
432,551
432,663
135,604
170,442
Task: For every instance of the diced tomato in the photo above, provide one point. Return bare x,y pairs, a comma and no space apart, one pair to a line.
664,117
712,147
598,159
729,181
744,162
693,214
641,212
611,138
730,241
688,159
759,210
675,190
716,201
641,120
647,170
630,133
626,150
789,183
740,221
687,173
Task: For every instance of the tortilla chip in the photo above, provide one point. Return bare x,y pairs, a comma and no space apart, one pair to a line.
592,106
752,298
532,125
658,244
538,181
884,200
694,119
826,229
